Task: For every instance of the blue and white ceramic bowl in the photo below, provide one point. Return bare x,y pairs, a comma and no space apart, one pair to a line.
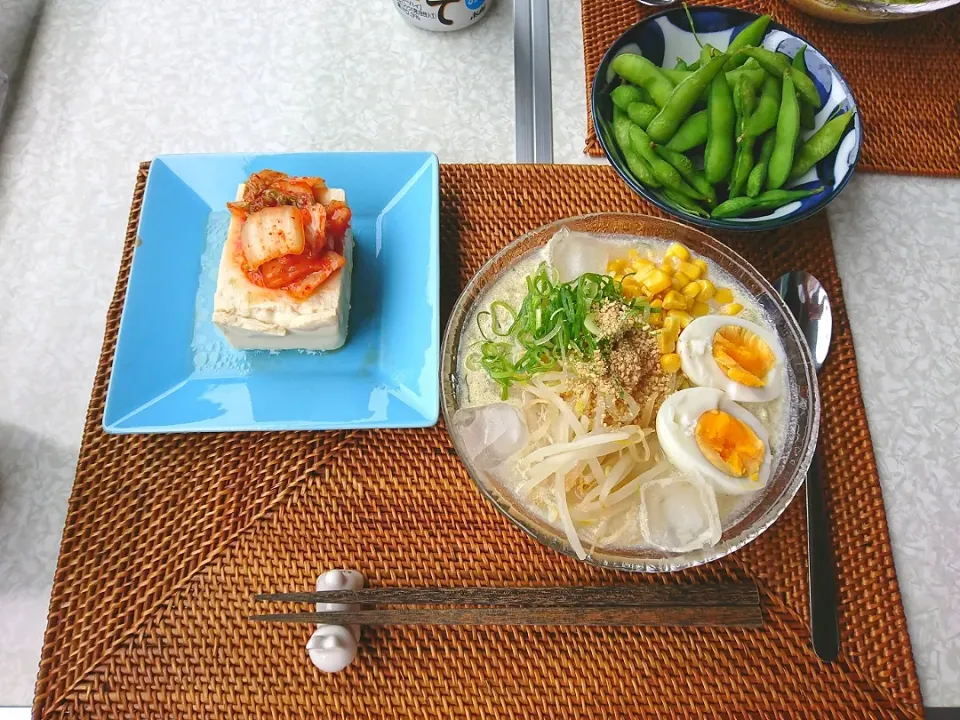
664,37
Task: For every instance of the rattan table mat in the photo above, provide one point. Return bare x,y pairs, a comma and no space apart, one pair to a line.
168,536
904,75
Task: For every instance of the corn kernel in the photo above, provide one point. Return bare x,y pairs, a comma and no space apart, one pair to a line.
641,274
677,250
690,270
670,363
665,343
633,254
674,301
657,281
641,263
692,289
699,309
616,266
683,278
656,303
723,296
731,309
655,320
671,324
631,287
667,266
707,291
676,283
682,316
702,264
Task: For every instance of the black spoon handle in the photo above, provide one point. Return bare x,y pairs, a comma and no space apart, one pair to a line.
824,626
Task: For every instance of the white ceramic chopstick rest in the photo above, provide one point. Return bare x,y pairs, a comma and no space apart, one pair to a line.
333,647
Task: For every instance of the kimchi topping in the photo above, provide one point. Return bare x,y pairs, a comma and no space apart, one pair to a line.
290,240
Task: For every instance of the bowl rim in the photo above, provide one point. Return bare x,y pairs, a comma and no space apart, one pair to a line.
558,542
733,223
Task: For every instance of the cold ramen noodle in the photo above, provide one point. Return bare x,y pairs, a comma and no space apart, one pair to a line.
627,392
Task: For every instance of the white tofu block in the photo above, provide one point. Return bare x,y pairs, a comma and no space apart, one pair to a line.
256,318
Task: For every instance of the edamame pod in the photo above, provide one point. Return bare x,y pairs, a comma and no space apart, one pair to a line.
820,144
682,99
623,95
691,133
778,64
770,200
640,71
685,203
744,102
639,167
718,155
752,34
807,115
758,176
768,107
755,75
788,129
641,114
688,172
662,170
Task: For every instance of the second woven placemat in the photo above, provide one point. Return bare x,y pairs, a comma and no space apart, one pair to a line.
905,77
167,537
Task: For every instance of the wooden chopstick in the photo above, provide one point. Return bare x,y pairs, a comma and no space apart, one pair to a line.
732,594
676,615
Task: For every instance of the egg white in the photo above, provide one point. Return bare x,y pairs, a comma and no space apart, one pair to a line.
695,347
677,423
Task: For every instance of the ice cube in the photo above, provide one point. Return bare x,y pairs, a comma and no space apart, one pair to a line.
572,254
491,434
679,514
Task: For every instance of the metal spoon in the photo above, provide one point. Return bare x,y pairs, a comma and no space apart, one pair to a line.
810,305
656,3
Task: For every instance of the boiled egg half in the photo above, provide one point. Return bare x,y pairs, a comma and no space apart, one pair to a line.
703,432
736,356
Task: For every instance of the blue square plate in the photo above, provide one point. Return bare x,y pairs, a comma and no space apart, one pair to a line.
174,372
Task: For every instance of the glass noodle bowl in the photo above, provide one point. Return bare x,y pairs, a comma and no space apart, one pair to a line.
870,11
801,413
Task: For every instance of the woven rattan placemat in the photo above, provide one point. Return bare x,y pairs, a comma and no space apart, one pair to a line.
168,536
904,76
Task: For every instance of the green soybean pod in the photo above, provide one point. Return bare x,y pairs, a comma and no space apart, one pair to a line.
768,108
778,64
744,101
640,71
641,114
637,165
694,66
752,34
755,75
691,133
788,130
770,200
688,172
773,199
820,144
718,155
682,99
681,64
676,76
758,176
662,170
807,114
623,95
684,203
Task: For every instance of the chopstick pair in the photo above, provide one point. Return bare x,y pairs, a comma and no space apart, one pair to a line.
727,605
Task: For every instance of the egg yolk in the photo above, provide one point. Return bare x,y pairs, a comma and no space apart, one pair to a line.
729,444
742,355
